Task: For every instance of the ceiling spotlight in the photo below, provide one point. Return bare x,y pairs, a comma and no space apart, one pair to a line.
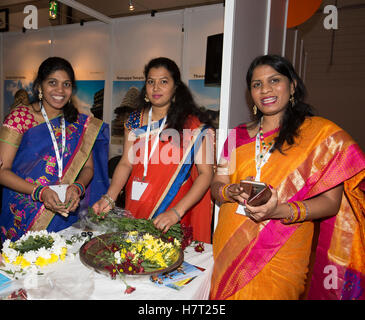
131,6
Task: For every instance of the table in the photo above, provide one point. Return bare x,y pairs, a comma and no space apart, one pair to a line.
71,279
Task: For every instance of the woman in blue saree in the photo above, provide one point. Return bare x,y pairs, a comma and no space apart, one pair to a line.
54,159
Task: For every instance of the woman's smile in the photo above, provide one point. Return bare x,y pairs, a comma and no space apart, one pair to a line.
269,100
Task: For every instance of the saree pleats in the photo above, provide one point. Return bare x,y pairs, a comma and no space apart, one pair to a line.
246,253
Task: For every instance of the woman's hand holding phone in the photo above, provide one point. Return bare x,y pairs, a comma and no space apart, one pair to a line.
258,192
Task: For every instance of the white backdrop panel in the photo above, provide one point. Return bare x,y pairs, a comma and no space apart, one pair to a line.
86,47
142,38
200,23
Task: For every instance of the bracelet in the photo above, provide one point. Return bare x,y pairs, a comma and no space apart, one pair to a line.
109,200
41,193
298,212
223,192
177,214
80,188
37,192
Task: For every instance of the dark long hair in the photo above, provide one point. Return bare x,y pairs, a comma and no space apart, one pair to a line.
295,114
182,105
46,68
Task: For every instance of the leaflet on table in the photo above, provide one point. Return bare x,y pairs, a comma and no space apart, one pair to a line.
4,282
178,278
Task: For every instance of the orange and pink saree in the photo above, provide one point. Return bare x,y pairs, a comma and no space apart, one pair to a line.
270,260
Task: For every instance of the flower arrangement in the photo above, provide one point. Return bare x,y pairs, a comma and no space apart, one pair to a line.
35,248
131,253
137,254
126,223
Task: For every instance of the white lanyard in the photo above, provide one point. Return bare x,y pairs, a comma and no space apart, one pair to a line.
264,159
146,158
59,156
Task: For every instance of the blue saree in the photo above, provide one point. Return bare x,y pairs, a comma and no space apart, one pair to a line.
35,162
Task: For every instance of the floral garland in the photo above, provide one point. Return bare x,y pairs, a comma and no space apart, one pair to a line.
35,248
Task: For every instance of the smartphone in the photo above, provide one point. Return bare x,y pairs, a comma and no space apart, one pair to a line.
259,193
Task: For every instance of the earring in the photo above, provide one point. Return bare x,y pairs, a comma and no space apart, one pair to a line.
292,101
146,99
40,95
254,109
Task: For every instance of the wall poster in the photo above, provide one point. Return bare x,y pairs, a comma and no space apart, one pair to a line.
126,88
87,99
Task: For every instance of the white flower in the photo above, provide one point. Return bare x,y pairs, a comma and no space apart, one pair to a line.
44,253
117,256
30,256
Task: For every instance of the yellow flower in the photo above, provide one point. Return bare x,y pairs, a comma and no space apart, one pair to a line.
40,262
6,258
18,260
52,259
63,253
25,263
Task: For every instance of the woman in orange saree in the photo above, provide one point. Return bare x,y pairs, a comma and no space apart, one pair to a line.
163,140
264,252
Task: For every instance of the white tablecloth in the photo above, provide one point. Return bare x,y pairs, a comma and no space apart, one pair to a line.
71,279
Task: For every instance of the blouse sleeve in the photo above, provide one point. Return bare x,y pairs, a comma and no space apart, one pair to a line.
20,120
16,124
134,120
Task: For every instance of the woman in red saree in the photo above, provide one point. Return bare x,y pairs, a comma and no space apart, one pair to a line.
315,171
166,168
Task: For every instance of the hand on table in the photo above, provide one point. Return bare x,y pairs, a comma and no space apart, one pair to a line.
165,220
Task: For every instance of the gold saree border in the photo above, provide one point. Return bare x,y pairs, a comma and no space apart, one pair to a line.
91,132
10,136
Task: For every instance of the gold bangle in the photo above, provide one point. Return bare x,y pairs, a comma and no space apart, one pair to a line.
291,217
225,198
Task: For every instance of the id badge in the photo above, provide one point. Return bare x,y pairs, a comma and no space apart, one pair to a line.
138,188
60,189
241,210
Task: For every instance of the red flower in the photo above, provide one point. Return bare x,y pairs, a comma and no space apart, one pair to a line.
199,247
187,236
114,248
129,255
129,289
112,271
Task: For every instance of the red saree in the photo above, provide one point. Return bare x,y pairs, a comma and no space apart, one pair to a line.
169,182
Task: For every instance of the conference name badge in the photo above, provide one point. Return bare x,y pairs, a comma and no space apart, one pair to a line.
60,189
138,188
